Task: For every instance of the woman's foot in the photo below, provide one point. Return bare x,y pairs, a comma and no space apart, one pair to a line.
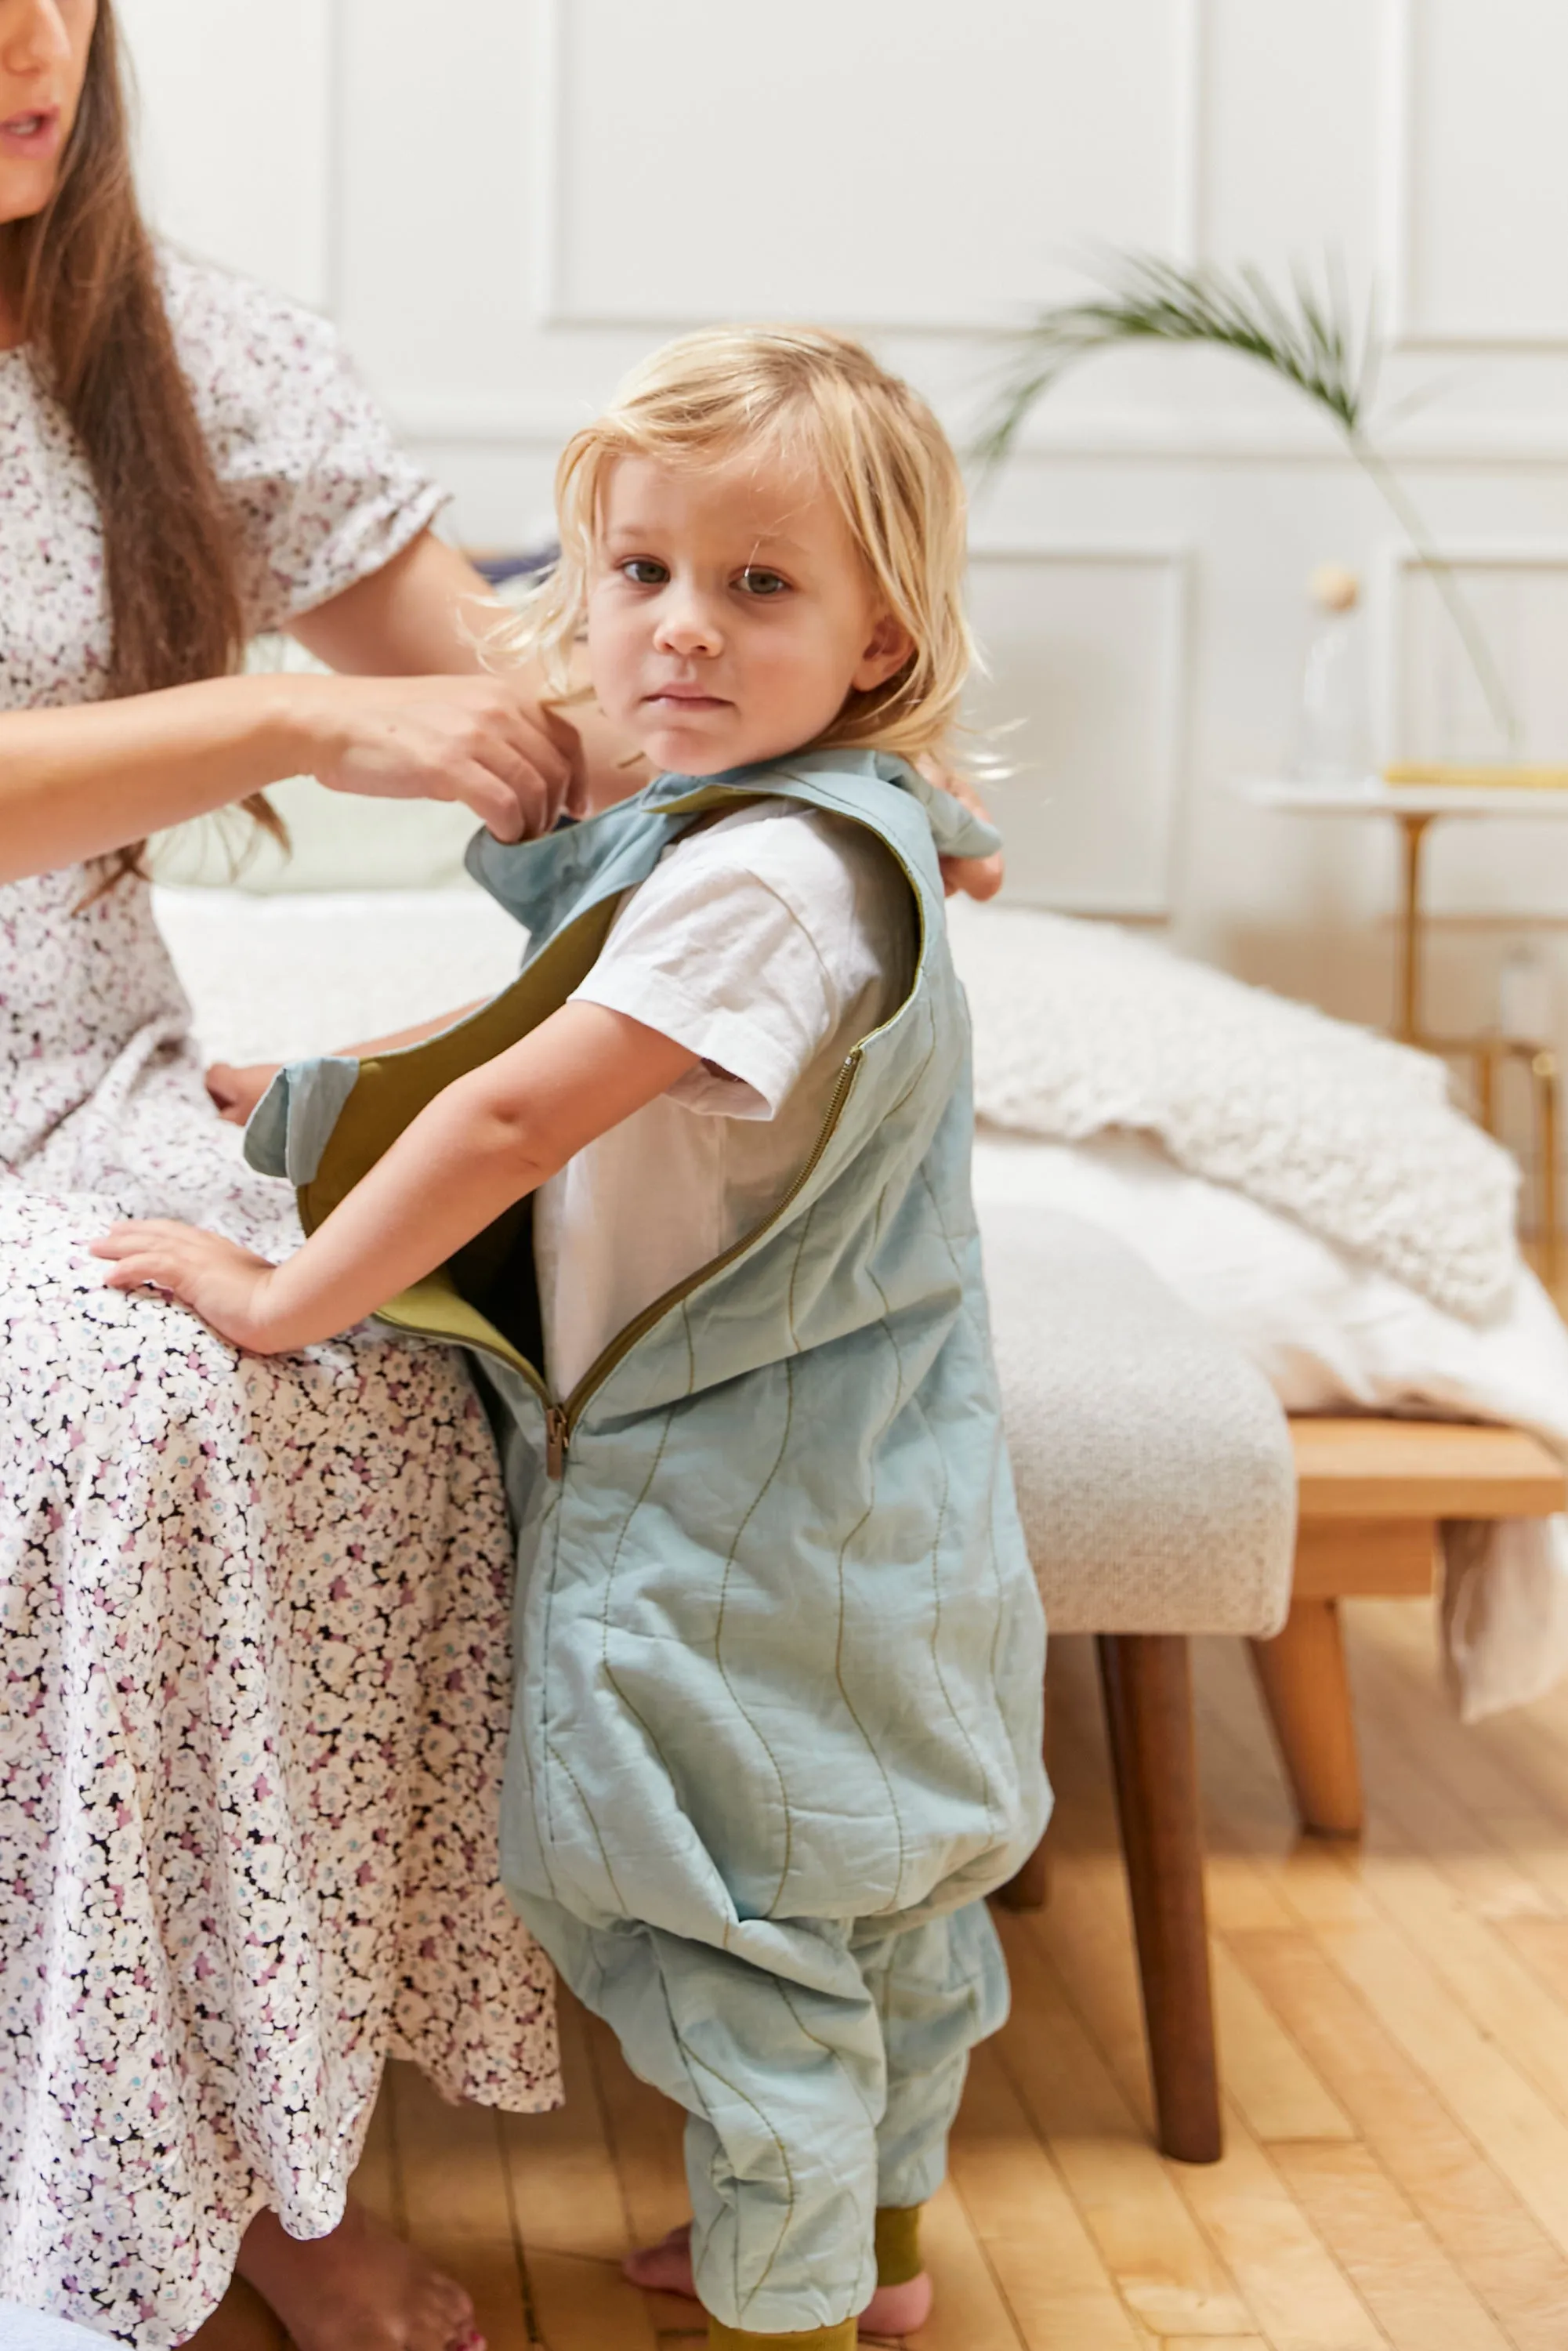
666,2268
361,2289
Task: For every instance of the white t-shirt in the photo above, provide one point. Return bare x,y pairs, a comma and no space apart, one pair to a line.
769,943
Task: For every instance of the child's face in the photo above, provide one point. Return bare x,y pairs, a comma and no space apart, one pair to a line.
729,614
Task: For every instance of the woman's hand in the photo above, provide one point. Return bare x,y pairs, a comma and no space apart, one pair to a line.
236,1092
225,1284
475,739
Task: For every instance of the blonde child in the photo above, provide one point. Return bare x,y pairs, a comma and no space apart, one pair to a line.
695,1190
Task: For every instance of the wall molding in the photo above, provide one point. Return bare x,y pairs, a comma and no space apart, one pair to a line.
1398,564
553,306
1172,686
1143,435
335,196
1403,130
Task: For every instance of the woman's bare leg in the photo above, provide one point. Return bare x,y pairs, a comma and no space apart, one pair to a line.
361,2289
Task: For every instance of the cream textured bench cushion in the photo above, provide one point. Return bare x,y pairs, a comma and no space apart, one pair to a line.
1152,1464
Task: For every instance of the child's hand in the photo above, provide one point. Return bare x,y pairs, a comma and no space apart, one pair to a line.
225,1285
977,877
236,1093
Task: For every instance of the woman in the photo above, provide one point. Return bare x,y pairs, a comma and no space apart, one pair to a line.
252,1620
252,1615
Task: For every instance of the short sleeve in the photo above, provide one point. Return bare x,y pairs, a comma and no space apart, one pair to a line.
708,954
319,493
760,945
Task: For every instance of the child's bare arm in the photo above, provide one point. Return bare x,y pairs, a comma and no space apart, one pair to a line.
482,1144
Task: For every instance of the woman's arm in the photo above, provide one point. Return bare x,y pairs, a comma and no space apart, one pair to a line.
81,782
418,616
427,609
486,1141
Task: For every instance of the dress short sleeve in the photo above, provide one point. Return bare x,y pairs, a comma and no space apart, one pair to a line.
321,494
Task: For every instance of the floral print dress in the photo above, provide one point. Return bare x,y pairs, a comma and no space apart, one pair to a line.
253,1611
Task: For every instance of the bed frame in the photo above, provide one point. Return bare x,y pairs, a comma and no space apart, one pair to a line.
1371,1498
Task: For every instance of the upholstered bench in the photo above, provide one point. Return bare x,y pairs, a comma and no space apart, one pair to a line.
1158,1491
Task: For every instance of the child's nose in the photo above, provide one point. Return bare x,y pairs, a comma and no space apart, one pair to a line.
689,625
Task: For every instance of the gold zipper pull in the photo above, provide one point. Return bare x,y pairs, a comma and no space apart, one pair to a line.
557,1436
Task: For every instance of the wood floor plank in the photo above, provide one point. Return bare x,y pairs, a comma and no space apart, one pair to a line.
1478,1965
1391,2257
1286,2278
1506,2116
1512,1761
1042,2256
1508,1851
1542,1945
1162,2265
1303,2299
565,2184
1495,2243
970,2312
1266,2074
646,2133
579,2305
456,2197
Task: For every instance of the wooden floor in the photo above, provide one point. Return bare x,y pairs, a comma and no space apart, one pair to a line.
1394,2047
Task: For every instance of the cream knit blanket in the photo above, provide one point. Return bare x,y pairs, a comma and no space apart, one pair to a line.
1080,1027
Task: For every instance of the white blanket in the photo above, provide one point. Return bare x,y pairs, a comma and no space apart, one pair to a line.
1330,1333
1080,1028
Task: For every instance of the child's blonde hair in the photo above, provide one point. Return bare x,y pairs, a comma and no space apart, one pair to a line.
821,400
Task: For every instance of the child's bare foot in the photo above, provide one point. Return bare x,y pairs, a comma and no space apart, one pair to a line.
666,2268
361,2289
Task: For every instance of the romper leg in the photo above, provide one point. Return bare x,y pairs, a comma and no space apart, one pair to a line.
1147,1682
1030,1888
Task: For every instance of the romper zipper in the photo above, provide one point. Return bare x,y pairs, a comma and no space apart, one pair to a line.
558,1436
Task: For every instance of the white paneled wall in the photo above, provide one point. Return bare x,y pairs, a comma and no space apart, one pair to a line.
506,201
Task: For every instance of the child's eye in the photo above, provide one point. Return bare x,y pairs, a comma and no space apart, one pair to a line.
646,572
758,582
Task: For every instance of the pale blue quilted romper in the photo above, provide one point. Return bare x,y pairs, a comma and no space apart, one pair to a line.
779,1650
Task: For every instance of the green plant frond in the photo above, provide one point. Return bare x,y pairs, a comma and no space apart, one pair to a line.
1308,336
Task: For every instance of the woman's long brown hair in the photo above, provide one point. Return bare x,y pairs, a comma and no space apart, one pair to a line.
83,276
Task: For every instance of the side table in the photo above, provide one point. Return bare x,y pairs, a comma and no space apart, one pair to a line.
1415,809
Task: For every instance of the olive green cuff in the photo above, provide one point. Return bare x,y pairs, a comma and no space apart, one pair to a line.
897,2243
841,2337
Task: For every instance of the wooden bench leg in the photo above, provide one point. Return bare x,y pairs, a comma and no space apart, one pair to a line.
1030,1889
1147,1682
1306,1688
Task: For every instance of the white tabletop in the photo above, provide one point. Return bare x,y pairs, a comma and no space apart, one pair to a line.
1373,796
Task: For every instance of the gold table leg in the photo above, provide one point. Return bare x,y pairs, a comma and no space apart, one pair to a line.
1544,1075
1413,829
